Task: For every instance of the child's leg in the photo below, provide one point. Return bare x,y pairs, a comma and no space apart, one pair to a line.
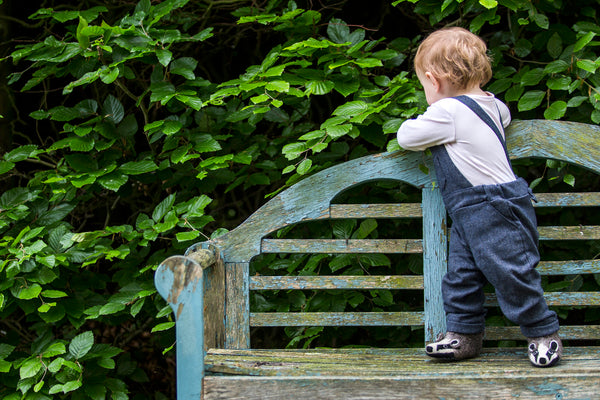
462,288
505,250
502,233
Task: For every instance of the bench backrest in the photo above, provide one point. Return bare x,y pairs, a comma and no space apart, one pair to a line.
311,200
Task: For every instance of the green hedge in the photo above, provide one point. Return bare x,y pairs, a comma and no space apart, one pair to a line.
137,131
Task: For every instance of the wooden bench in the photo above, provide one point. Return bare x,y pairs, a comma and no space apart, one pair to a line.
209,290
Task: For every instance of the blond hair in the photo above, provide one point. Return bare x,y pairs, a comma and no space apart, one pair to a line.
457,55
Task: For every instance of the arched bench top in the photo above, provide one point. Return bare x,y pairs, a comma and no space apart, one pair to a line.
310,198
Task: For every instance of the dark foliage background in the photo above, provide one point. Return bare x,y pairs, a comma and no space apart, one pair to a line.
132,130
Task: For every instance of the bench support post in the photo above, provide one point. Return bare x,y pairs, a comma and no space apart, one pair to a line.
180,282
435,249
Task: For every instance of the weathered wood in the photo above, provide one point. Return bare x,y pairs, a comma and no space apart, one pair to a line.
337,319
214,294
292,205
389,246
502,385
381,362
569,267
204,257
336,282
569,232
237,311
219,314
572,142
567,332
558,299
567,199
397,374
402,210
435,260
179,280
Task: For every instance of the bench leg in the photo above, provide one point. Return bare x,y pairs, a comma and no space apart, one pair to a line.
435,246
179,280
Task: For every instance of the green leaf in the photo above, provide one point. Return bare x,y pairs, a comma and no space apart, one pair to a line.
21,153
319,87
163,207
351,109
554,45
185,236
113,181
63,114
164,56
28,293
532,77
5,367
30,368
556,110
569,180
541,20
531,100
338,131
54,294
55,349
556,67
489,4
278,86
107,363
71,386
338,31
81,344
109,75
583,41
587,65
559,83
304,166
185,67
6,350
111,308
6,166
163,327
293,150
138,167
113,109
368,62
84,40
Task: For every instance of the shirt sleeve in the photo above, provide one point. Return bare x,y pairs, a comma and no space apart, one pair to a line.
434,127
504,113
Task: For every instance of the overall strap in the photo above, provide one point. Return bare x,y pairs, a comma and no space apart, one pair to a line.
476,108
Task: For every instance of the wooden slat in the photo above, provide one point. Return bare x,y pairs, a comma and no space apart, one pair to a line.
499,385
558,299
569,267
388,246
401,210
589,199
337,319
365,362
336,282
567,332
396,374
237,330
569,232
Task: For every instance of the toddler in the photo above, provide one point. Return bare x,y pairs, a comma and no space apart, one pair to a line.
494,236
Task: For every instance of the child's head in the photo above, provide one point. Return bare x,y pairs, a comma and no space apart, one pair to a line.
456,56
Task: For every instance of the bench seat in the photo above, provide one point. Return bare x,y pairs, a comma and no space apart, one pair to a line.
405,373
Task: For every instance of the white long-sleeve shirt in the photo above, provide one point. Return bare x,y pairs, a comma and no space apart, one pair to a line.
471,144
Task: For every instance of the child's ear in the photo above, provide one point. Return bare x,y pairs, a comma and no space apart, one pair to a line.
435,82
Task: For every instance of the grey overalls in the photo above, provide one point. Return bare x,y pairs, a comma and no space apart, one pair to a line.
493,237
